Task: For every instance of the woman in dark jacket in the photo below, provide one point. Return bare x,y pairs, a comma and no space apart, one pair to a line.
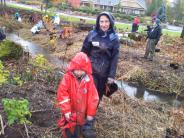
102,47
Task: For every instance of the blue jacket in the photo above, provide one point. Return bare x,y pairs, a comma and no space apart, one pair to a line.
2,35
102,49
155,33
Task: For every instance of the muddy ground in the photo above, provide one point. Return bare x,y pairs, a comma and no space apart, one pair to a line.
158,75
165,74
118,117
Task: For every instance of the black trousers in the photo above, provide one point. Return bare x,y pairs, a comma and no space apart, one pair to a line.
100,84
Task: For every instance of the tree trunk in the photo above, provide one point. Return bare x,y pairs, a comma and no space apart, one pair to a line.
182,33
46,6
4,3
1,2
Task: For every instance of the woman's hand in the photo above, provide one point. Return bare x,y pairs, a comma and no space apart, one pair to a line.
110,80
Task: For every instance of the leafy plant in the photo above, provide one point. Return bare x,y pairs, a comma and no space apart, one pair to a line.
16,80
10,50
4,74
39,61
39,68
16,110
27,75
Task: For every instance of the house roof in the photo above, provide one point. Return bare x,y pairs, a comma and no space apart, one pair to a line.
103,2
141,4
107,2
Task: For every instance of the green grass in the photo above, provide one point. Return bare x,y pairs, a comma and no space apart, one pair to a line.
124,27
170,33
18,7
70,19
24,8
127,27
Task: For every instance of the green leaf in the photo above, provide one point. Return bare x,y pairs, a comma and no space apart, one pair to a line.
16,110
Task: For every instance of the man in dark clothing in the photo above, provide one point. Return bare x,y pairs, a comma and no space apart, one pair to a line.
102,47
153,38
2,34
182,33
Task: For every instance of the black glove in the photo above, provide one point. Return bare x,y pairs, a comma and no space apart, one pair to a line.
87,129
111,87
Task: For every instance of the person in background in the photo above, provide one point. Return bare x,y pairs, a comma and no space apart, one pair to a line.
17,15
135,25
53,39
153,38
31,18
2,33
153,16
35,29
78,99
102,47
182,33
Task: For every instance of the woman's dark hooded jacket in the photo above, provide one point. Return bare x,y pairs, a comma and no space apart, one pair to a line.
103,49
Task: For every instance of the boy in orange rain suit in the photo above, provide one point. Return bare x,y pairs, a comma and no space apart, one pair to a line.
78,99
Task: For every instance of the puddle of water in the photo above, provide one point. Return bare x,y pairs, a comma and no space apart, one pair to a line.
34,50
141,92
132,91
174,28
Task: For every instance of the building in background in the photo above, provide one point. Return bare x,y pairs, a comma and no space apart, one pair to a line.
149,1
133,6
125,6
74,3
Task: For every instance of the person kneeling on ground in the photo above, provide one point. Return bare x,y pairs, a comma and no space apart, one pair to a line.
78,99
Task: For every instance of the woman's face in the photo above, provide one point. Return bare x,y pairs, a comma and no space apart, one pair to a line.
104,23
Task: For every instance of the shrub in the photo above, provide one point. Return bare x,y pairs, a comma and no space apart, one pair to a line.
39,61
16,110
63,6
10,50
4,74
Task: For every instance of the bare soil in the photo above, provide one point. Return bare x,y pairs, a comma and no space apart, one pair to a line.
155,75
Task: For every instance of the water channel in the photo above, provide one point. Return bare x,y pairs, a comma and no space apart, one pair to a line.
131,90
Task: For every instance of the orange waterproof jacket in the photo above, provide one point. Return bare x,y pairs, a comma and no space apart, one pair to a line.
81,98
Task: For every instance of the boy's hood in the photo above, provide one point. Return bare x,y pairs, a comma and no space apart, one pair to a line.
80,62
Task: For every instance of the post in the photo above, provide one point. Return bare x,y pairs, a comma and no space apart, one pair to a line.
182,33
